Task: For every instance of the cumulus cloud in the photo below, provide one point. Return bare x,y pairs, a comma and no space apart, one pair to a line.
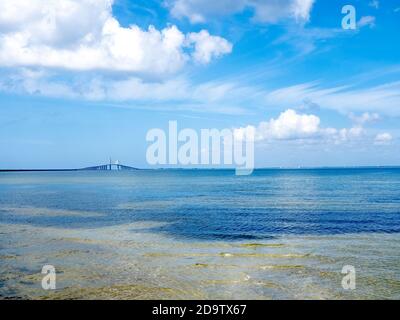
344,135
291,125
364,118
383,138
266,11
208,47
84,35
288,126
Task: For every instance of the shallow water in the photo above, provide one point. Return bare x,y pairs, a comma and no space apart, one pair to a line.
200,234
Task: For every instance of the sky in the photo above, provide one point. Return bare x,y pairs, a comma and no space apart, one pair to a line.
82,81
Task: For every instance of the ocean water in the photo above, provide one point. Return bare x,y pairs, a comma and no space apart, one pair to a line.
201,234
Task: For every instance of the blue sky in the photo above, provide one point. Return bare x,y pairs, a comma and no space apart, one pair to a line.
84,80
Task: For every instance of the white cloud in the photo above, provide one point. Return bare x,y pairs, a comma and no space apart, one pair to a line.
288,126
63,22
83,35
207,46
364,118
173,93
383,99
197,11
273,11
363,105
266,11
345,134
291,125
366,21
383,138
374,4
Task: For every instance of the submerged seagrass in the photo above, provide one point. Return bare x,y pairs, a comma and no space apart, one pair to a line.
199,234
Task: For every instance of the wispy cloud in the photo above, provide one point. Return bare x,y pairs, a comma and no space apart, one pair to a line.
383,98
170,94
374,4
235,94
366,21
265,11
307,40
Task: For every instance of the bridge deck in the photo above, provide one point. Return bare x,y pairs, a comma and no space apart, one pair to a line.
105,167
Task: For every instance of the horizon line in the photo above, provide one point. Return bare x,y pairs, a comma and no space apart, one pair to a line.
211,168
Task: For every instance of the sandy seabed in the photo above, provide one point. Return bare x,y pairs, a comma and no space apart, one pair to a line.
127,262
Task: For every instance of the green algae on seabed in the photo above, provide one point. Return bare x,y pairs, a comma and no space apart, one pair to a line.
114,292
262,267
264,255
226,254
201,265
206,265
257,245
246,280
190,270
277,267
8,256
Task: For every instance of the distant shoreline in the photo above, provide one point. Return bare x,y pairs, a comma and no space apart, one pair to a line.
222,169
34,170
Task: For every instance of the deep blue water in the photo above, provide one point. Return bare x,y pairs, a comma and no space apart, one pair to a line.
211,204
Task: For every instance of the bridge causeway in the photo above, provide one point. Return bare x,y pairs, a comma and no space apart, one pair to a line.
104,167
110,167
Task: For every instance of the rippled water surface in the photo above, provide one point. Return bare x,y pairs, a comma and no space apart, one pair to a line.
199,234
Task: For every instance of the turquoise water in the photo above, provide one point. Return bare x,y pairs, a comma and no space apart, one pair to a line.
276,234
